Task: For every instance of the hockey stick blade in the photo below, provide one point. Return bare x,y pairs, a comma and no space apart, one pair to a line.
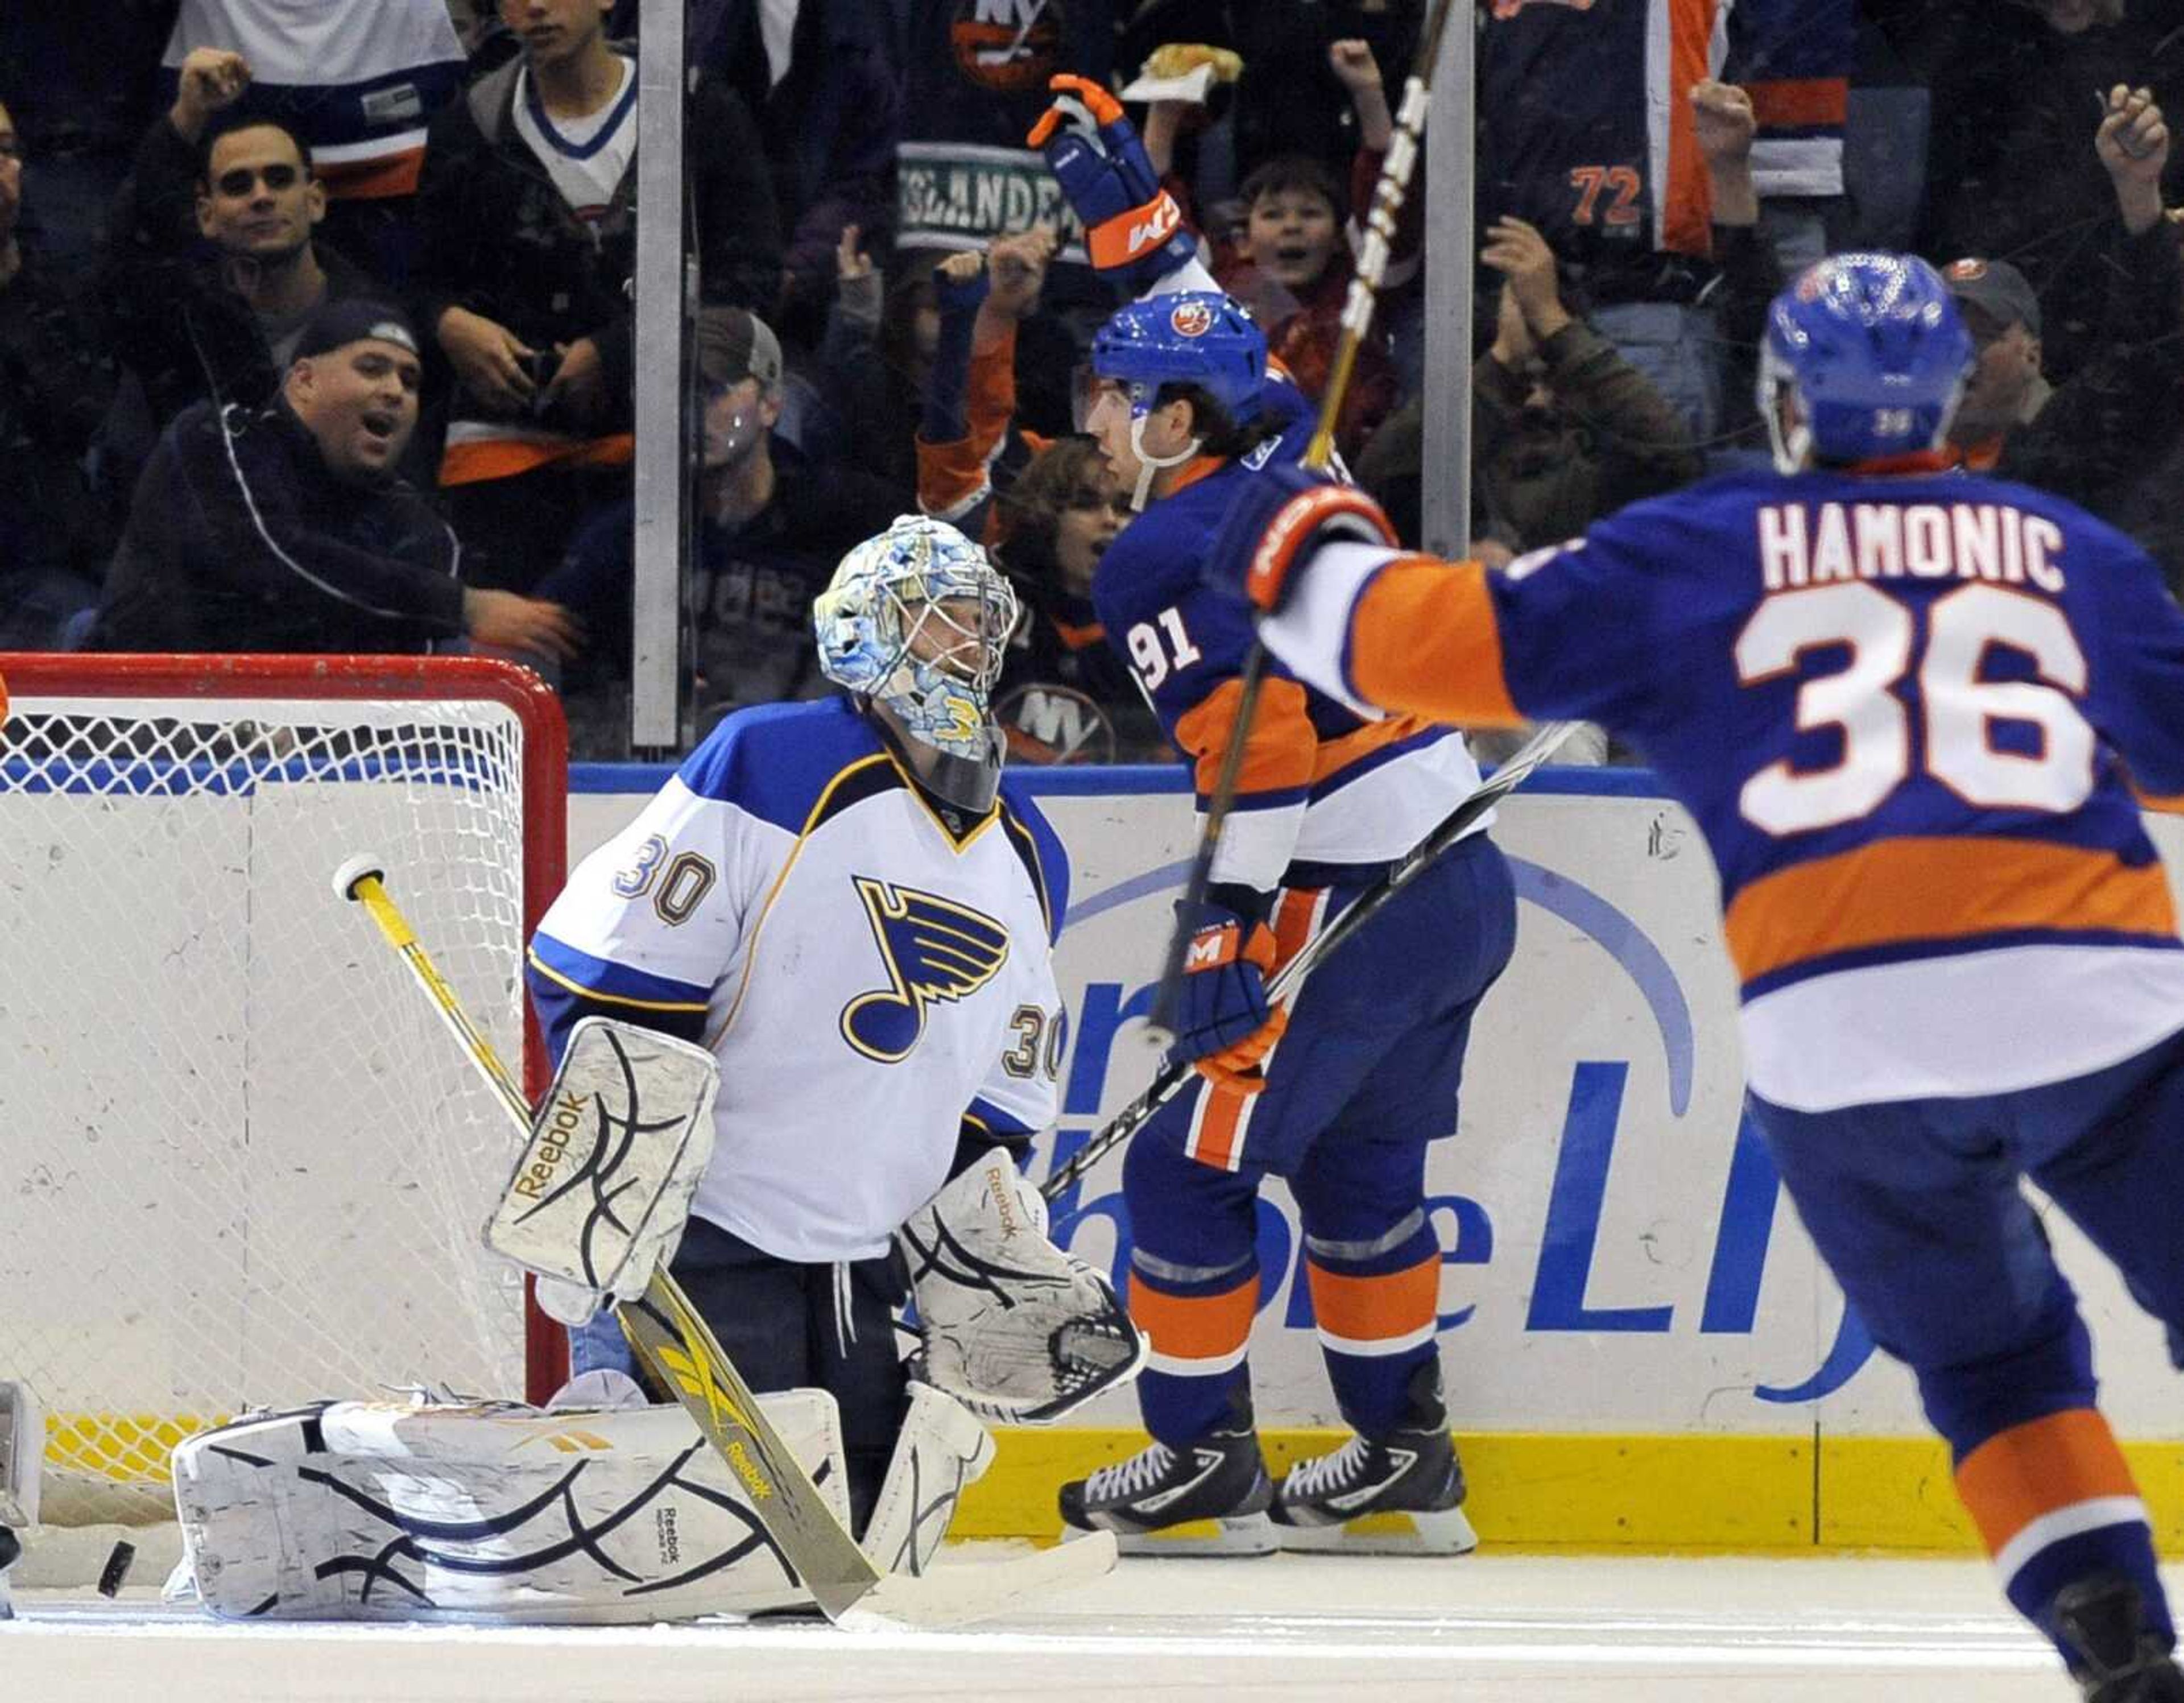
1505,779
948,1596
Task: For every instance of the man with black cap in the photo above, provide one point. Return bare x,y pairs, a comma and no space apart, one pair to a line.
2093,437
286,528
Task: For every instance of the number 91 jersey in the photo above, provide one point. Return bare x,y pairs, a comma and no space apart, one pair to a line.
870,969
1901,709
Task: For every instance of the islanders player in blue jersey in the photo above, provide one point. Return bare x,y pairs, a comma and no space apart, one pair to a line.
1916,714
1339,1097
850,906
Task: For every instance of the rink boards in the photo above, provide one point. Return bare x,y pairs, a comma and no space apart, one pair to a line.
1639,1346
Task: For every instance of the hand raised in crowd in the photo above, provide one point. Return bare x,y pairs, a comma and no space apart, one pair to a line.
1520,254
578,386
1018,264
488,358
2133,144
1359,73
211,80
514,622
859,287
1513,343
1722,121
1724,124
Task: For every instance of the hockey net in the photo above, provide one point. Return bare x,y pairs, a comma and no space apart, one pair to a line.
246,1165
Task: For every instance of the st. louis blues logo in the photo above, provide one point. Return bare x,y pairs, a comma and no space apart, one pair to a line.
934,949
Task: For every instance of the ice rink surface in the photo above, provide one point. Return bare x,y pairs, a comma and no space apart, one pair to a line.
1488,1628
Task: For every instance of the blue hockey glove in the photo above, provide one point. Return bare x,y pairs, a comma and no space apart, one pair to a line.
1224,1016
1132,227
1277,519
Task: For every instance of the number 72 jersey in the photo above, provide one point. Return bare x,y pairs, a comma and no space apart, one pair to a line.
1913,717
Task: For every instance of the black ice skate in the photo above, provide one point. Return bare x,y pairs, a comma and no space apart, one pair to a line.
2119,1659
1209,1498
1401,1494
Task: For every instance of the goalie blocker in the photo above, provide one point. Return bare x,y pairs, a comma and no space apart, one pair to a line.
498,1512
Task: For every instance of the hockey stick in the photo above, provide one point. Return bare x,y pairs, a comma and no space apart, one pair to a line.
1387,193
1133,1116
690,1361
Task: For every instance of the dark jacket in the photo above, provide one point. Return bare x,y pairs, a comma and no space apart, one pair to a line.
496,238
1610,439
240,539
56,381
171,318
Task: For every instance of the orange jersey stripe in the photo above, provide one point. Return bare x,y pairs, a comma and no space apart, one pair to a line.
1787,103
1296,914
374,180
1282,751
2019,1475
2167,804
1423,640
504,458
1195,1327
1367,1310
1938,890
1224,1116
951,476
1337,755
1687,205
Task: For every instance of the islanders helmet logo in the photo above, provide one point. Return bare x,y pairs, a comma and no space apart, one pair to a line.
934,950
1191,319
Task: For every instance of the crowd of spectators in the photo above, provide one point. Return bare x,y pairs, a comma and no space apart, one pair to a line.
320,335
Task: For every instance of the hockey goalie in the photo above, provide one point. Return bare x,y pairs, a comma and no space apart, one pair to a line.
805,1002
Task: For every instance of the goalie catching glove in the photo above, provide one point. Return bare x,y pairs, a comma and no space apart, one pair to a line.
1015,1328
1133,230
602,1190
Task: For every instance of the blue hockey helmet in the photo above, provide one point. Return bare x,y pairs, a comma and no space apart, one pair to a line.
1872,348
1192,337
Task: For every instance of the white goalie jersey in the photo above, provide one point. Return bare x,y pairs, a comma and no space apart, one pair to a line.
868,968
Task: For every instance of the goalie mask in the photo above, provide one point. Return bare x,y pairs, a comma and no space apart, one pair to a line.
918,619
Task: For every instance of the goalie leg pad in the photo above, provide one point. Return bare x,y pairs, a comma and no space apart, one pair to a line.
495,1512
22,1454
942,1449
601,1191
1014,1326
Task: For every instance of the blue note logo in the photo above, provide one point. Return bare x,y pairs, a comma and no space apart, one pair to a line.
934,950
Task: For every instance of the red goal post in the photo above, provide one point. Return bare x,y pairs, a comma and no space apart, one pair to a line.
249,1167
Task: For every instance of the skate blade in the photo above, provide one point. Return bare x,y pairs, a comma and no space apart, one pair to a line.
1237,1534
1446,1532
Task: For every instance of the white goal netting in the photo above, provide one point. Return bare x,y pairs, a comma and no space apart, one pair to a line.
245,1165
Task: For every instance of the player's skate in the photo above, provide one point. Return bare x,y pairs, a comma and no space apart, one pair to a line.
11,1550
1401,1495
1209,1498
2120,1658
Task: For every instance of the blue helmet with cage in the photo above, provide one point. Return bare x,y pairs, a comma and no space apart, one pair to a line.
1875,355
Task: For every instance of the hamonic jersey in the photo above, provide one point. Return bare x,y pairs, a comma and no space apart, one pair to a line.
1320,784
1901,709
868,976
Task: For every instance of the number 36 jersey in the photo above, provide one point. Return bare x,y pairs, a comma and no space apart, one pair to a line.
869,972
1914,716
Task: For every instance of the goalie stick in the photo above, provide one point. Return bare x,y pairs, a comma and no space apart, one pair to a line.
690,1361
1126,1123
1372,265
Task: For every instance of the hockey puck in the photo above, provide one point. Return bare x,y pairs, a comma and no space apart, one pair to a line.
116,1570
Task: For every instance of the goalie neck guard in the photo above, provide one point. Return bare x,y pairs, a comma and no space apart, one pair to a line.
916,619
